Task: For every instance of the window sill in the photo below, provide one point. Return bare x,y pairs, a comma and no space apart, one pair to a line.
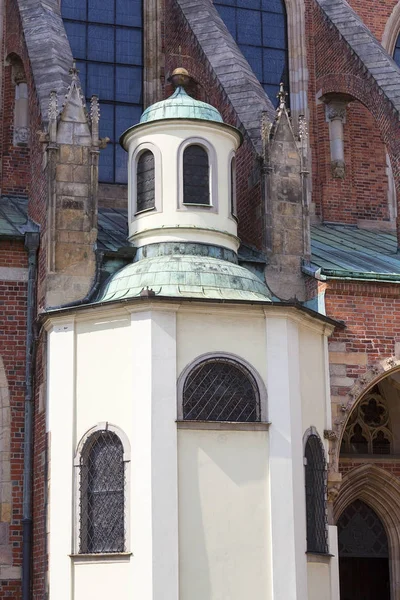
144,211
102,557
188,204
316,557
223,425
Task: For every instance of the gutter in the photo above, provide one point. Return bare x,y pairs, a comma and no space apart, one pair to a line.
325,274
32,240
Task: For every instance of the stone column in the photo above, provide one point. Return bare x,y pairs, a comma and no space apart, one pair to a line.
336,117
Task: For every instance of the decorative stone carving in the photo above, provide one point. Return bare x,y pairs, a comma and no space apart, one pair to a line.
330,435
21,136
335,111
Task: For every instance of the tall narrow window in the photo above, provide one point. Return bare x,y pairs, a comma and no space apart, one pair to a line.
221,389
233,186
145,181
396,55
106,41
102,503
259,27
196,175
315,479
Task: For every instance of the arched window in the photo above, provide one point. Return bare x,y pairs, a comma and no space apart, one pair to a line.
233,186
145,183
368,429
106,41
396,54
259,27
221,389
315,480
102,491
196,175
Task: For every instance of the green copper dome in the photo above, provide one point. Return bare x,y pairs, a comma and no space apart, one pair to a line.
180,106
185,276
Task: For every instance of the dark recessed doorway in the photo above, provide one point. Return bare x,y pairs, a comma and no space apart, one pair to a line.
363,554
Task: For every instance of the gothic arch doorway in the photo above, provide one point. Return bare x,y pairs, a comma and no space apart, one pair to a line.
363,554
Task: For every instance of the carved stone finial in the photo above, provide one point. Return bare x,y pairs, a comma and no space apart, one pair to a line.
74,71
266,127
282,96
94,109
53,106
180,77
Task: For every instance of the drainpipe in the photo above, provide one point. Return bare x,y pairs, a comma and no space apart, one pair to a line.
32,245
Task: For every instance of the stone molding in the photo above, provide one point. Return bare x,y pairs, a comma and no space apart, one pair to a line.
6,560
392,30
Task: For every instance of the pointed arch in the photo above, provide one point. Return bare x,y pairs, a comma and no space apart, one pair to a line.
381,491
392,30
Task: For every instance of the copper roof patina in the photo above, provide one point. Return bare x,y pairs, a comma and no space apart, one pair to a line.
184,276
181,106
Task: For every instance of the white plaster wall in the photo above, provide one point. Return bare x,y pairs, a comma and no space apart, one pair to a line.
162,225
224,534
318,575
312,379
102,579
210,330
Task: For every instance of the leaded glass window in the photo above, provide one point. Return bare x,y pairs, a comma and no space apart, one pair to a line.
259,27
196,175
396,55
368,430
145,181
315,480
221,389
102,488
106,41
361,533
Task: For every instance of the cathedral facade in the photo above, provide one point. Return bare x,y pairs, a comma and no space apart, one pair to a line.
199,261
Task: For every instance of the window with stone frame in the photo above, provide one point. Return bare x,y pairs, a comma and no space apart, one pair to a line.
145,182
368,430
102,494
221,389
396,54
106,38
196,175
316,485
259,28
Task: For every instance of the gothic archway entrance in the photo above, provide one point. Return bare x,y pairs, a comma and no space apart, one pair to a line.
363,554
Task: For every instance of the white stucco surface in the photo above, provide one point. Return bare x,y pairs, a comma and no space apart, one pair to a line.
312,379
223,516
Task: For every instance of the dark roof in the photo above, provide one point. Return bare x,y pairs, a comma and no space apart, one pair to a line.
112,229
14,220
347,251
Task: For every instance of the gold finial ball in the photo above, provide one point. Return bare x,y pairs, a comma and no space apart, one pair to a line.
180,77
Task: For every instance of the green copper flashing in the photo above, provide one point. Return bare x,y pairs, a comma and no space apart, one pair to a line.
180,106
184,276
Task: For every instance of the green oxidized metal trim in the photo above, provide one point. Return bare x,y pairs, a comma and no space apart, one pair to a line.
181,106
186,277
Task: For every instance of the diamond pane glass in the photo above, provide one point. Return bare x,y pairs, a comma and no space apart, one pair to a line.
260,30
315,479
361,533
102,484
145,181
106,37
221,390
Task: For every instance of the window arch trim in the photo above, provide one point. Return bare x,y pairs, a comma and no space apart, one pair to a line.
123,438
213,175
132,208
232,204
392,31
262,391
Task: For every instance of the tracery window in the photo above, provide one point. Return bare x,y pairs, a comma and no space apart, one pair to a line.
196,175
102,490
315,481
221,389
106,41
259,27
145,181
368,429
361,533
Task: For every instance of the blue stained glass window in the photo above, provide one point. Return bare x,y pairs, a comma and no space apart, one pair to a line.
106,39
396,55
260,30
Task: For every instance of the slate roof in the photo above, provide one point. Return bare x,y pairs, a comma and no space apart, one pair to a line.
234,73
350,252
14,220
376,60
